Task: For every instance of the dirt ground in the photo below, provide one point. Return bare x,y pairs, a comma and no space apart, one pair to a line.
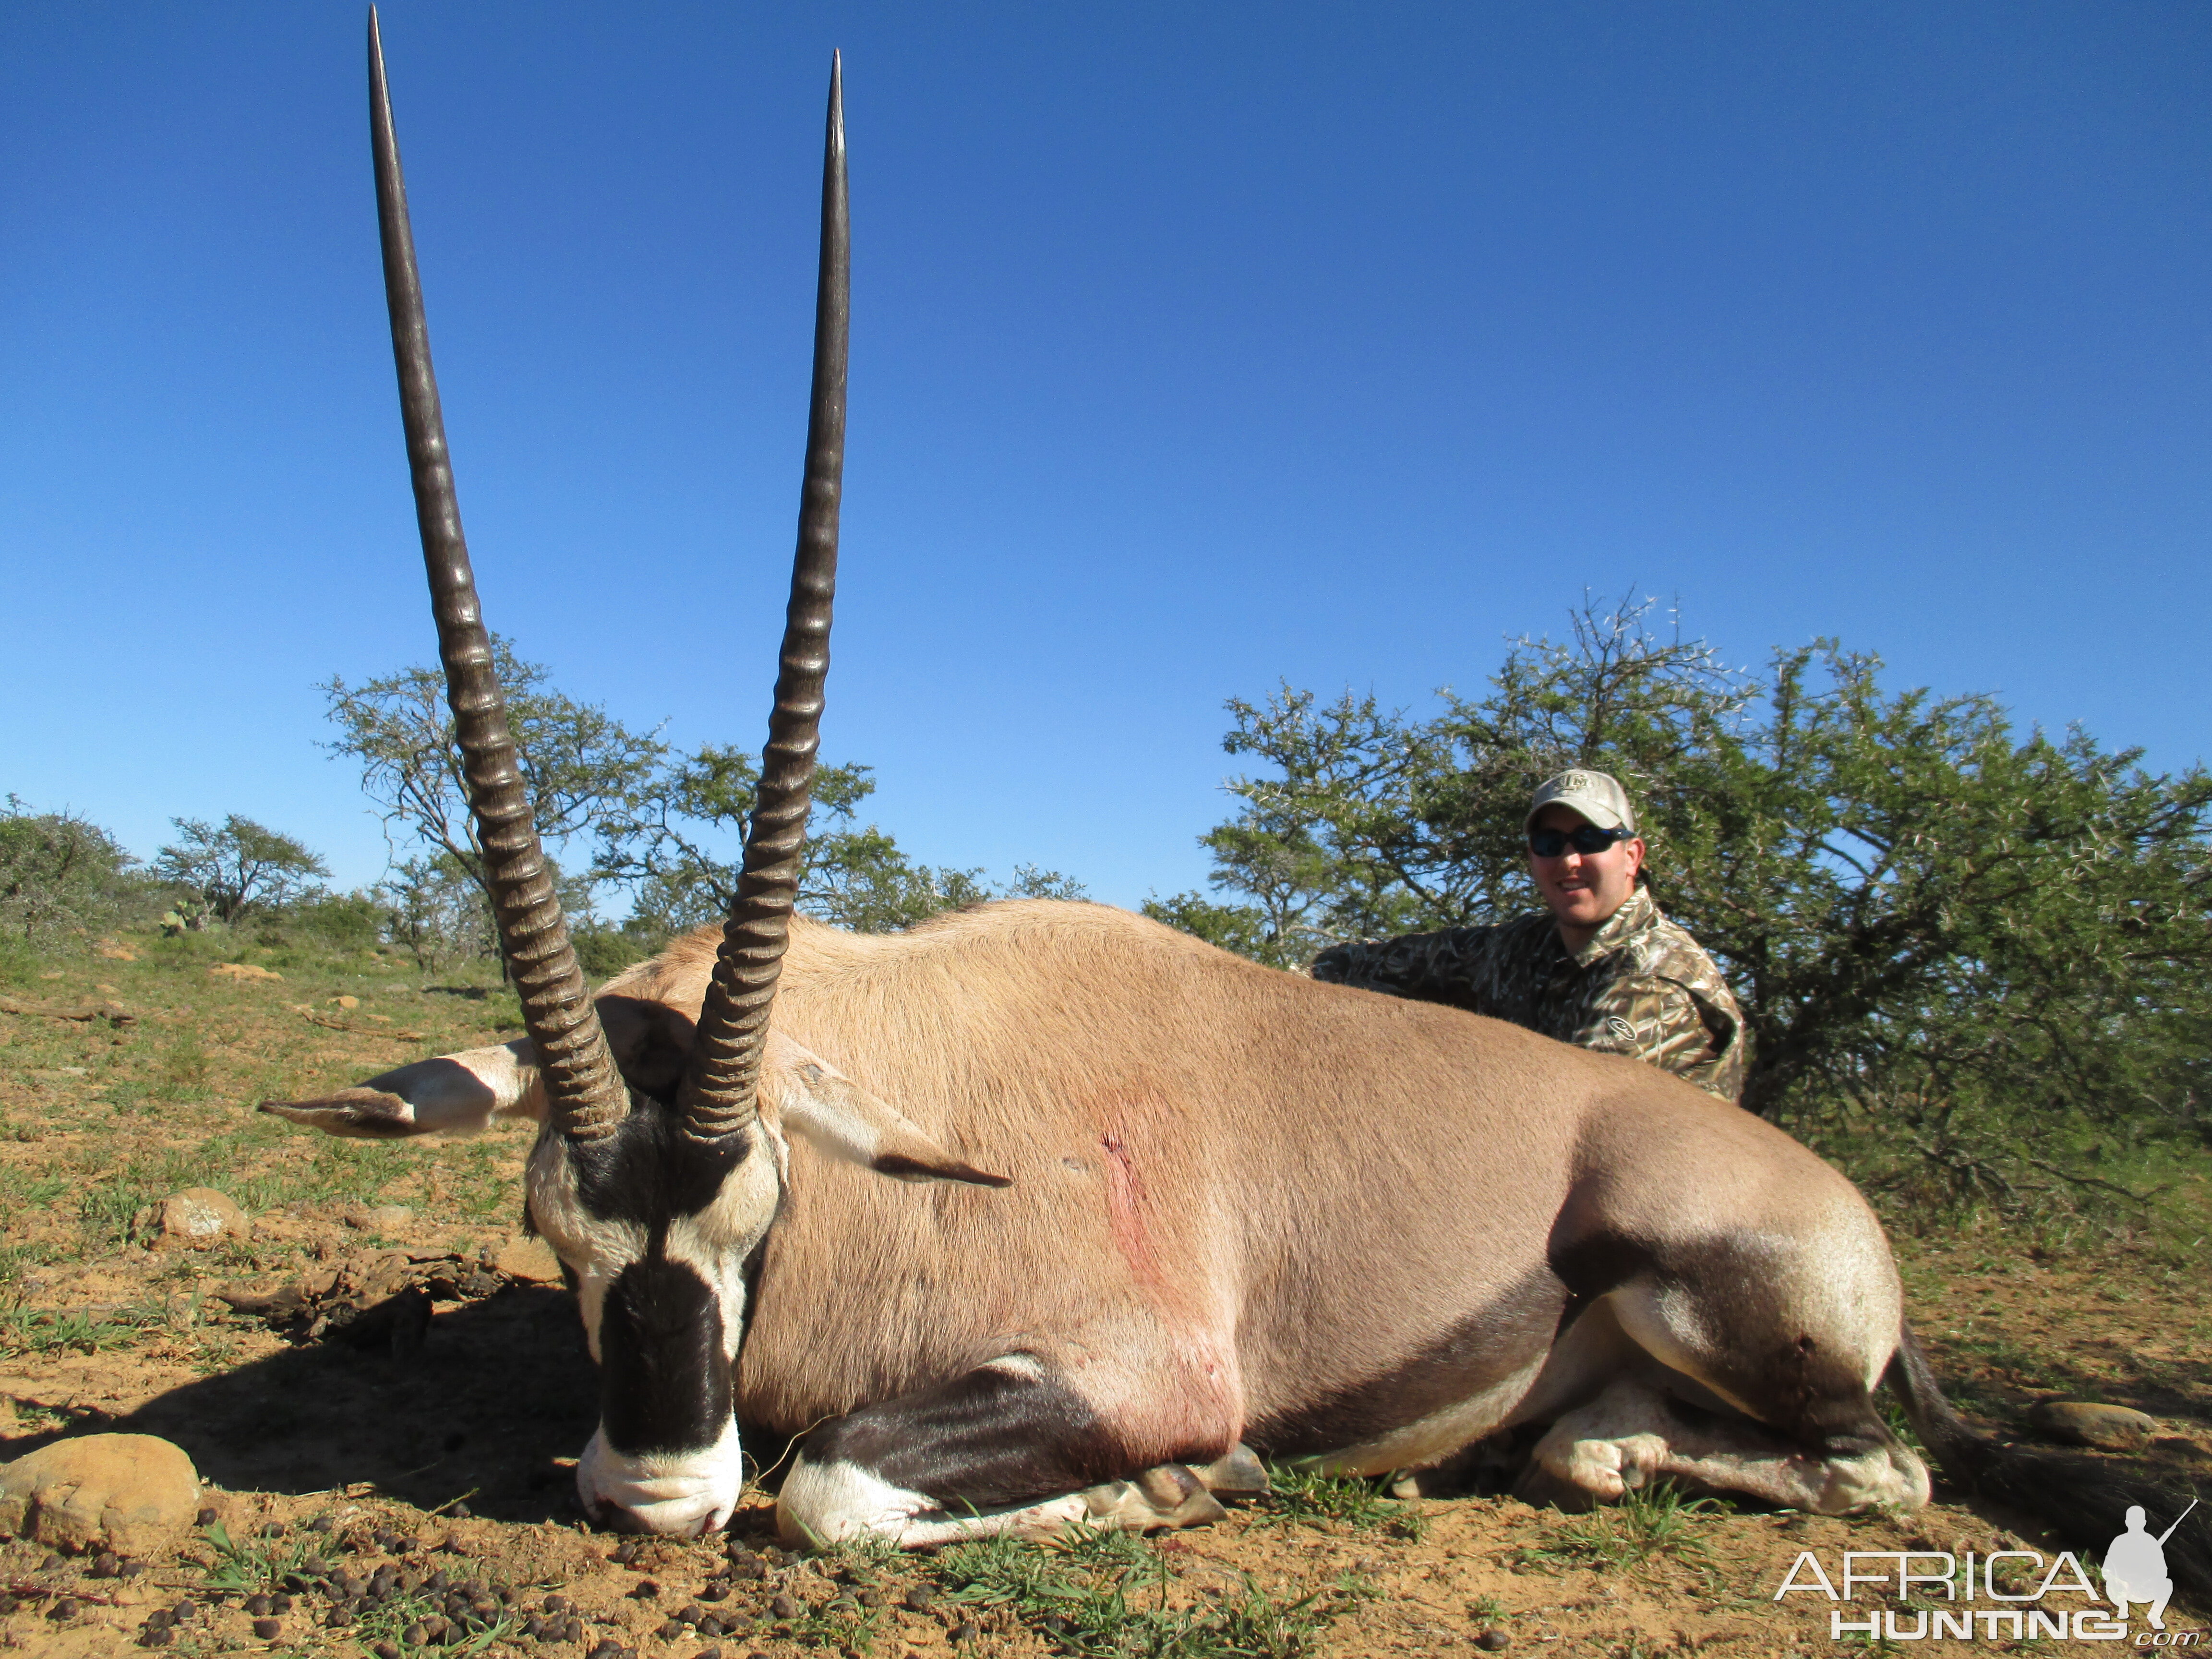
436,1434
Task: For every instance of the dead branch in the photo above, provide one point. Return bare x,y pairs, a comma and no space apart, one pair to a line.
113,1013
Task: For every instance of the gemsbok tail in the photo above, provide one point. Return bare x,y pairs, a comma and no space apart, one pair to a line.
2084,1500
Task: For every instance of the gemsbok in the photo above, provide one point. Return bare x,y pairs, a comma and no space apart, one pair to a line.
1173,1208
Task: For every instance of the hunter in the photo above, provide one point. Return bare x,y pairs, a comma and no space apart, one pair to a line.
1603,969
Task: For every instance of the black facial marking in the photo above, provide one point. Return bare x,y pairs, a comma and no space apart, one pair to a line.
991,1438
665,1384
651,1041
648,1172
1479,1352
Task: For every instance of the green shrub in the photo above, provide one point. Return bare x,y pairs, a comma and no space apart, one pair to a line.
63,879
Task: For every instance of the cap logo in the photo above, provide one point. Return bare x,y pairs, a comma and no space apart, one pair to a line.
1574,783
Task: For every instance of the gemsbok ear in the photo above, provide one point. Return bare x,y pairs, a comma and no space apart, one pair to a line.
841,1120
452,1094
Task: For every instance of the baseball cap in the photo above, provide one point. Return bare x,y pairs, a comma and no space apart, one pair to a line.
1597,796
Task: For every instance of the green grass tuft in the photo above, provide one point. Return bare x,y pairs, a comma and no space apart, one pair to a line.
1111,1594
1654,1522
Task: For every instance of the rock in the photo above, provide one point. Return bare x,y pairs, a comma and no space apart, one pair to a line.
379,1219
1493,1640
243,971
131,1493
197,1219
2084,1423
345,1002
528,1259
113,950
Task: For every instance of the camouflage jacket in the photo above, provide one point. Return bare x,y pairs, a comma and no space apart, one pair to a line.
1642,986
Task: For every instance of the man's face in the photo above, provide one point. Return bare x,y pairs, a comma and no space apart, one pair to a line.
1584,888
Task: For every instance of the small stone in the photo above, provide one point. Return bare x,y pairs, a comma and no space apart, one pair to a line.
268,1630
258,1606
128,1491
345,1002
963,1632
1493,1640
131,1568
645,1590
385,1651
783,1606
197,1219
280,1602
920,1598
2084,1423
669,1629
67,1608
415,1634
242,970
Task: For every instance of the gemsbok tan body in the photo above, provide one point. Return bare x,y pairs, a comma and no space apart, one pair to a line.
1245,1209
1043,1214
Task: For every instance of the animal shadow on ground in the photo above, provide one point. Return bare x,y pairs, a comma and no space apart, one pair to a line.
499,1389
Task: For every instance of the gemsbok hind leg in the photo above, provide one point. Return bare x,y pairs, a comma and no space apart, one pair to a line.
1754,1358
1007,1450
1634,1436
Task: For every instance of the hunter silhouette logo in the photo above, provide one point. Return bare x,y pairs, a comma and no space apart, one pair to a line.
2134,1567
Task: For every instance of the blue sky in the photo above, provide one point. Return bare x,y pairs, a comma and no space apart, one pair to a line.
1194,348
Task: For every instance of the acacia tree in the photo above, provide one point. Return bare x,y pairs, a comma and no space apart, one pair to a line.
61,875
1964,954
238,866
666,827
579,762
675,847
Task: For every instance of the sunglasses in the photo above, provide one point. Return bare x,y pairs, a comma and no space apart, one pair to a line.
1590,840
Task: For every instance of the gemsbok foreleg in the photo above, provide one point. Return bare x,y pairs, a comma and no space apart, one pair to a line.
1008,1449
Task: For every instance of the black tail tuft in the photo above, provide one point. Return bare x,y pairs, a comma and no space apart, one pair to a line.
2085,1499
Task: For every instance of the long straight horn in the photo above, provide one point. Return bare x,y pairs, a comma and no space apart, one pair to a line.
585,1094
720,1090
